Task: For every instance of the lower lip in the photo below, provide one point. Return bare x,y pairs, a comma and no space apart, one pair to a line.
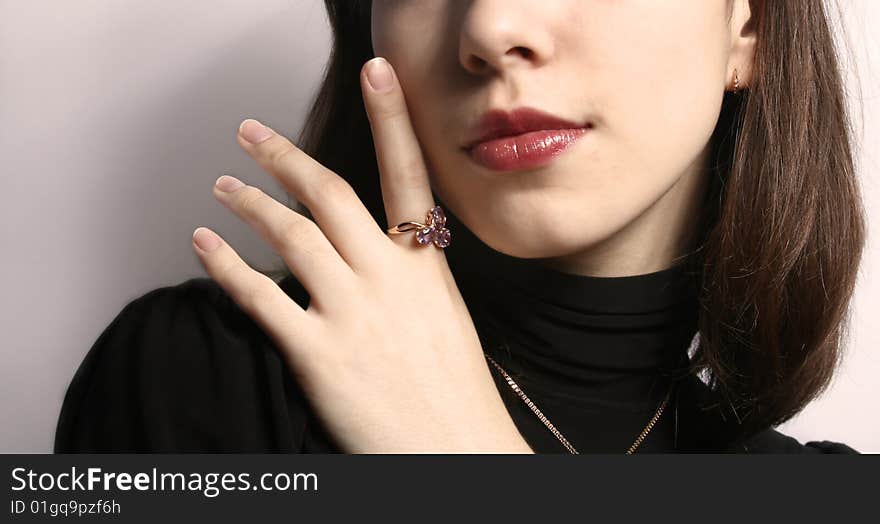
525,151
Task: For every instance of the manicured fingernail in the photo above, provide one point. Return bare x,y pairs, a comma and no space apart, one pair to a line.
379,75
206,239
253,131
228,184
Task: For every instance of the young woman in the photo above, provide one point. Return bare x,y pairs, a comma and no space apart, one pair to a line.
652,233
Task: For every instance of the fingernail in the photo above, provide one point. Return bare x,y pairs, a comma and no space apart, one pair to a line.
253,131
379,75
228,184
206,239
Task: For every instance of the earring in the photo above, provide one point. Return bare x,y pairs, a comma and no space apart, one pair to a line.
735,81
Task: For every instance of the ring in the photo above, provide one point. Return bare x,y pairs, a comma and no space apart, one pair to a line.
432,231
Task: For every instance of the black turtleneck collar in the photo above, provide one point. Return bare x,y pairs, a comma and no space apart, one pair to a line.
610,342
598,354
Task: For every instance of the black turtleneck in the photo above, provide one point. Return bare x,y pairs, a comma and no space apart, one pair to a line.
597,355
182,368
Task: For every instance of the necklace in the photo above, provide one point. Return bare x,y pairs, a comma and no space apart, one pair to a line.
556,432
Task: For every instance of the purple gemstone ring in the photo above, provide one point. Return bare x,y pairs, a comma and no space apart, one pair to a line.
433,231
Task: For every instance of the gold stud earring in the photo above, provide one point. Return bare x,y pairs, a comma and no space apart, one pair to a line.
735,81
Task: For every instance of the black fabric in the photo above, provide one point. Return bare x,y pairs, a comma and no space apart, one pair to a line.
183,369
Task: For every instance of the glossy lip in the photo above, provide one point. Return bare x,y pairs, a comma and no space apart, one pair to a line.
525,138
500,123
526,151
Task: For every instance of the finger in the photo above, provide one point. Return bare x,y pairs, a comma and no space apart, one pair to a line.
338,211
406,190
301,244
255,293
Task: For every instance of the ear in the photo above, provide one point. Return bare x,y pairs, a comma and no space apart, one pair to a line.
743,34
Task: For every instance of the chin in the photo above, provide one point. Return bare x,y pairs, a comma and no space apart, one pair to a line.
520,227
538,242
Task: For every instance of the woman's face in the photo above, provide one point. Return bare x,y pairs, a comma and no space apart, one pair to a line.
647,76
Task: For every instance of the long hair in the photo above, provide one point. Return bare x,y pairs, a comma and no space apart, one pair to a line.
783,230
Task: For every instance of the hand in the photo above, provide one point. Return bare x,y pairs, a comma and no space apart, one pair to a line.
386,351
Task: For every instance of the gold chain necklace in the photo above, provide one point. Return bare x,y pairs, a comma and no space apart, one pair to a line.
556,432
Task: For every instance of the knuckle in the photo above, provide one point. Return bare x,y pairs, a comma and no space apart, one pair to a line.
283,154
334,186
413,172
390,111
251,199
227,273
258,298
294,230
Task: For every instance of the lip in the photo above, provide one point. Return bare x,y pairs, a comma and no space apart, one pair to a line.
521,139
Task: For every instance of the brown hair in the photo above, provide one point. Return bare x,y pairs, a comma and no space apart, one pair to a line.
783,229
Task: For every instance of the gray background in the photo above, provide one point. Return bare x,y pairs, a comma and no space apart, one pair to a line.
118,115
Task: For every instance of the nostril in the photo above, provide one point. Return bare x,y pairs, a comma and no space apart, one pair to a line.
478,64
525,52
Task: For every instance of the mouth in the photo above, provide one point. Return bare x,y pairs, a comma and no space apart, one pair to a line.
522,139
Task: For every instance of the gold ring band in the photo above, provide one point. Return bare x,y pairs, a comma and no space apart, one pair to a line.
433,231
406,227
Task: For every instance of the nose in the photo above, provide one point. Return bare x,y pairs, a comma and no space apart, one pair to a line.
497,35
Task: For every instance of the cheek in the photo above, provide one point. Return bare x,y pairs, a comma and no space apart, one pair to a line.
669,92
409,28
671,120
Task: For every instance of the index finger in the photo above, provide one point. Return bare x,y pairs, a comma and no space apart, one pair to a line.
406,189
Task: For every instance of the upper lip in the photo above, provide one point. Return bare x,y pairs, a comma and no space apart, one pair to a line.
497,123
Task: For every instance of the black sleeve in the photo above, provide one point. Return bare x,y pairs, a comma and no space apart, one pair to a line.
772,441
182,369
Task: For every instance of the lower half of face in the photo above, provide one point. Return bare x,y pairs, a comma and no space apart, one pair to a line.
650,77
609,190
629,186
